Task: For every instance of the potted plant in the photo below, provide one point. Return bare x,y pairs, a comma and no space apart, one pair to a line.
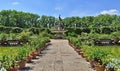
8,63
28,51
99,59
22,57
14,67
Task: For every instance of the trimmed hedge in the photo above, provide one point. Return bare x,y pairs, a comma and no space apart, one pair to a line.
34,30
17,30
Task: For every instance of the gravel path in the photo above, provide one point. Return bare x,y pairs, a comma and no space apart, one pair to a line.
58,56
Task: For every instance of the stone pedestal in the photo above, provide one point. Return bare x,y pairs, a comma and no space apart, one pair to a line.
59,36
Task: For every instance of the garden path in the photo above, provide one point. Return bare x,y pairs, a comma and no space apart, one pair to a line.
59,56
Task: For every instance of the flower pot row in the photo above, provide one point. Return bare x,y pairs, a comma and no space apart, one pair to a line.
22,54
28,59
108,56
13,68
93,63
35,53
21,64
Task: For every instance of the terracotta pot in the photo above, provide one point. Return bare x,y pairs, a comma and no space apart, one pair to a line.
37,52
91,63
34,55
29,59
21,64
82,54
43,48
95,63
71,45
77,50
87,59
100,68
15,68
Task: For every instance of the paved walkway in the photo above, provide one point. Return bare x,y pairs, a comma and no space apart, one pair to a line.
59,56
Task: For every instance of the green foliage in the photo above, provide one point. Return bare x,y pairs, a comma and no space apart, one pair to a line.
100,24
104,36
12,36
106,30
109,55
7,30
7,58
4,29
86,30
44,34
3,36
100,54
34,30
24,36
73,32
10,56
17,30
75,41
116,35
113,63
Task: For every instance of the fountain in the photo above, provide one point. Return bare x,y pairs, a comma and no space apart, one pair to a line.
59,30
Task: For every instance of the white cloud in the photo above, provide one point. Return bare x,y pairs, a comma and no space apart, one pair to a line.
111,12
15,3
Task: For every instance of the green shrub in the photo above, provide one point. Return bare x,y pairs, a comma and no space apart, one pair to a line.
17,30
2,28
7,30
12,36
34,30
75,41
24,36
44,34
3,36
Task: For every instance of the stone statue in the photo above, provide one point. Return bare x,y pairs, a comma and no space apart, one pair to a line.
59,28
60,23
60,18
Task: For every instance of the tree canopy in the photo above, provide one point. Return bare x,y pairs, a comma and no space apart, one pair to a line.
100,23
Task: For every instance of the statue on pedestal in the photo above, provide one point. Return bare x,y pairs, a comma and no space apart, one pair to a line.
59,29
60,26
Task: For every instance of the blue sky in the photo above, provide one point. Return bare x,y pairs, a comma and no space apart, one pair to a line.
66,8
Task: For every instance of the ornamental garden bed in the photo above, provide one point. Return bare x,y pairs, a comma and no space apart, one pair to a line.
14,54
15,57
100,57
